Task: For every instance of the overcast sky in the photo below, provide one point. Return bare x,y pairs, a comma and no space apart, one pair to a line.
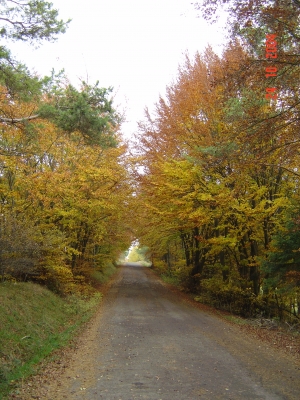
133,45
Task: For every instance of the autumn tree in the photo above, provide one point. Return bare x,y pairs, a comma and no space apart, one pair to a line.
72,188
250,24
217,161
64,184
281,266
216,174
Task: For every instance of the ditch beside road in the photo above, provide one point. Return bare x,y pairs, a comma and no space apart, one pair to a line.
147,342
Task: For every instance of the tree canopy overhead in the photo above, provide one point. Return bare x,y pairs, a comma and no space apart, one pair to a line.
251,20
30,20
88,111
33,21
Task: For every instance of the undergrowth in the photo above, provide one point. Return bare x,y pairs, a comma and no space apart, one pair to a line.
103,275
171,279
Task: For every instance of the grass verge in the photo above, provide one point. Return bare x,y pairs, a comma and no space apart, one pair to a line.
171,279
33,323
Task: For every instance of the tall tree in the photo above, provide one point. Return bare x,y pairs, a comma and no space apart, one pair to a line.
72,192
219,180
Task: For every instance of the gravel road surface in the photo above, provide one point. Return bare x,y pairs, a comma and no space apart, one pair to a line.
147,343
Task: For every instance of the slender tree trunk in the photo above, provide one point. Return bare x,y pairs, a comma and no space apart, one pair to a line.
186,248
254,270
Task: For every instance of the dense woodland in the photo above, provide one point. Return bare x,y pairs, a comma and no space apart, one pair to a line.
64,185
212,183
218,165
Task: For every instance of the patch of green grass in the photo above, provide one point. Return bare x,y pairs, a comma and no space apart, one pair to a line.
104,275
33,323
171,279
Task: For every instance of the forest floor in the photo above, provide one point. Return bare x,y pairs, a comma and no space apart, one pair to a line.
150,341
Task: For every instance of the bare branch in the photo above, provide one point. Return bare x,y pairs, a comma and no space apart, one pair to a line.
17,120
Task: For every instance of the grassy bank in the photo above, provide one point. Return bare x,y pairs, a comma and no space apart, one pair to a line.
34,322
104,275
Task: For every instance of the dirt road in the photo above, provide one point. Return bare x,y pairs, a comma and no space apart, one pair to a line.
147,343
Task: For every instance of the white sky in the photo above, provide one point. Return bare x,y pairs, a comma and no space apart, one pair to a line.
133,45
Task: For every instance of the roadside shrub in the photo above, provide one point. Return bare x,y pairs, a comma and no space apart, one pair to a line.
231,298
19,247
181,270
59,279
160,267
